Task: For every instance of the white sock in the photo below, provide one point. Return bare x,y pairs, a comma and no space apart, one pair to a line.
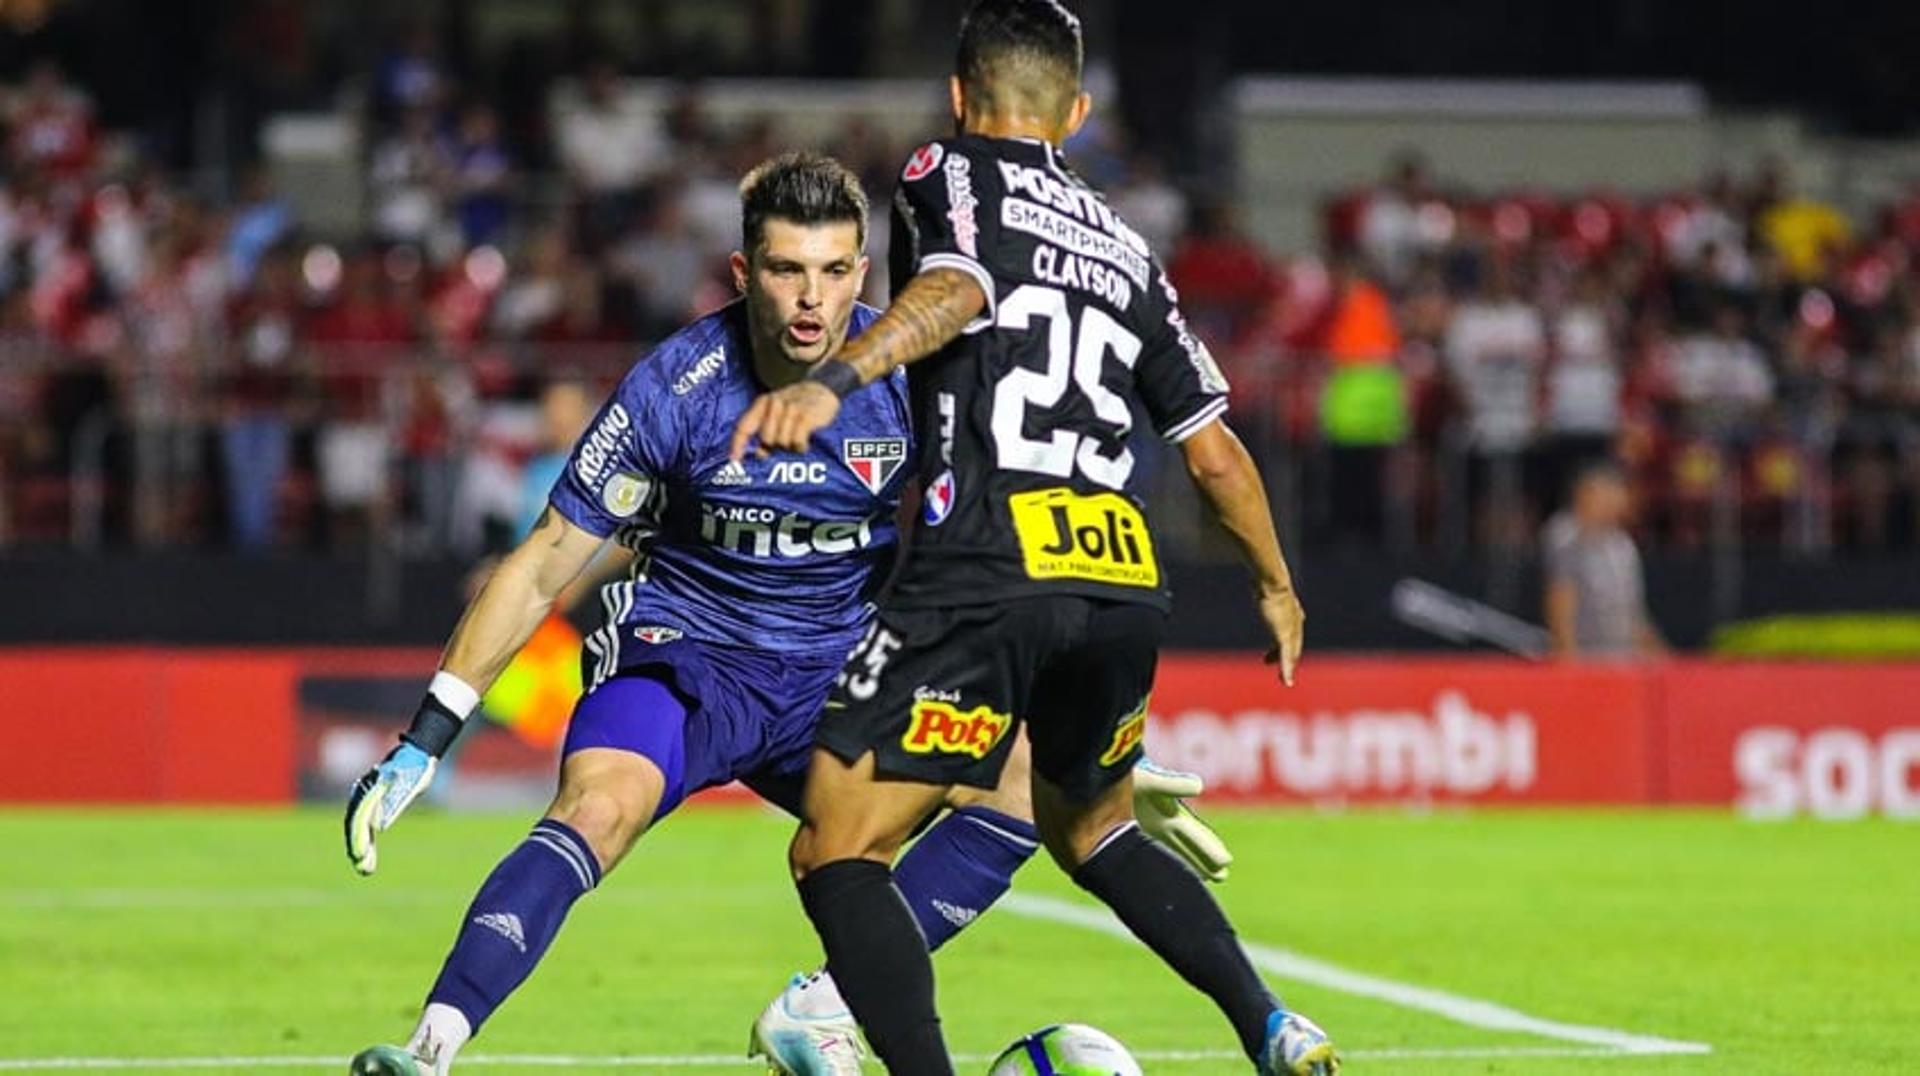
443,1030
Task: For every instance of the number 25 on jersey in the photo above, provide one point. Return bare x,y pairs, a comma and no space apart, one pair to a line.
1074,360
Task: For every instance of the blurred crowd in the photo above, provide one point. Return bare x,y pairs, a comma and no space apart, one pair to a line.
1451,359
182,369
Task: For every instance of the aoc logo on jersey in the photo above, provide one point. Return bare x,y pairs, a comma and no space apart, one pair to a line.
1100,538
1133,728
937,505
942,727
874,460
923,162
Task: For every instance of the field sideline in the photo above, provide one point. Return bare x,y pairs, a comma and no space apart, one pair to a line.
180,940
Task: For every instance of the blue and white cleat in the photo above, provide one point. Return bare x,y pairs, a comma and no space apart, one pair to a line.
1297,1047
388,1061
808,1031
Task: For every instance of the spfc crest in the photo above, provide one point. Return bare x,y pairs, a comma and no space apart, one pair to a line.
874,460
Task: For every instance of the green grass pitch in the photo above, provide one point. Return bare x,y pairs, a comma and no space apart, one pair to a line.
1787,948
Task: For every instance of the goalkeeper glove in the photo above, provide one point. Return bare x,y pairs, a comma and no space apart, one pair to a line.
383,792
1159,796
380,795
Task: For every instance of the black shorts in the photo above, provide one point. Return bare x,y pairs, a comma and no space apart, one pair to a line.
937,694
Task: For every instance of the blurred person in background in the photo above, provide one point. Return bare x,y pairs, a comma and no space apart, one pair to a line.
1721,378
50,126
1390,232
609,150
1584,382
481,176
407,181
1223,276
1363,404
410,75
663,265
535,292
266,324
565,409
1803,230
1495,350
260,219
360,345
1595,595
1874,437
1155,207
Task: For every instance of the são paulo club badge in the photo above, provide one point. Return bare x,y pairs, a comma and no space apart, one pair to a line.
874,460
924,161
937,505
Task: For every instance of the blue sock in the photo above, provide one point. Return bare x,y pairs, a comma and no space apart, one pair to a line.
514,918
960,866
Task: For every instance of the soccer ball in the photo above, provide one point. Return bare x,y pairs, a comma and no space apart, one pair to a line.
1066,1050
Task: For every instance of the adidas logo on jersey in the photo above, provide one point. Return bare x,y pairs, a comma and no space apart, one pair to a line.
733,474
505,924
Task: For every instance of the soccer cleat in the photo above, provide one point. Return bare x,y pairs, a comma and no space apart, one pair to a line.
1297,1047
387,1061
807,1031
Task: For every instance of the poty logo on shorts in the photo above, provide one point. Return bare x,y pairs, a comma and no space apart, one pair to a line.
961,203
1133,728
941,727
924,161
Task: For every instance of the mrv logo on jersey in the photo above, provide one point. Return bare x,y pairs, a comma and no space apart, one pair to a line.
1101,538
767,532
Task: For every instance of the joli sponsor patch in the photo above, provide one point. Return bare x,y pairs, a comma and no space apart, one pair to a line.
1101,538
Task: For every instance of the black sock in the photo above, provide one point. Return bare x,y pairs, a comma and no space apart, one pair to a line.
879,959
1168,907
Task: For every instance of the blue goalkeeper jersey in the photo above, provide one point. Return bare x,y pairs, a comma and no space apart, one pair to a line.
779,553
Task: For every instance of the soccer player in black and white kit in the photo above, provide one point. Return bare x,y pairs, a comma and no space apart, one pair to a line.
1032,590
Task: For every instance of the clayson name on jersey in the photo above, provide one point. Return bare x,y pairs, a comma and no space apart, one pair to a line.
1083,232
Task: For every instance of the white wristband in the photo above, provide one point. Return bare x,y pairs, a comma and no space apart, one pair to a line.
454,693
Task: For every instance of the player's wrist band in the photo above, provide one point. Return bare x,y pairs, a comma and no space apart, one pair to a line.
437,723
434,727
839,377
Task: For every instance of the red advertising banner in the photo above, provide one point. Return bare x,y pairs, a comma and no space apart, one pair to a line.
1394,729
156,725
1833,741
140,725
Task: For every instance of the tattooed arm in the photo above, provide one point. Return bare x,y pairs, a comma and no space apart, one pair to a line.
516,598
931,310
928,313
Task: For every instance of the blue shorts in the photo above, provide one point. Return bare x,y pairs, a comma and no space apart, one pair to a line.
707,714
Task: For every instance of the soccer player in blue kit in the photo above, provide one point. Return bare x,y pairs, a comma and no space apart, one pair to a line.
748,586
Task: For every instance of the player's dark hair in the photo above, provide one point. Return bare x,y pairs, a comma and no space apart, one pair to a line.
1020,56
804,188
